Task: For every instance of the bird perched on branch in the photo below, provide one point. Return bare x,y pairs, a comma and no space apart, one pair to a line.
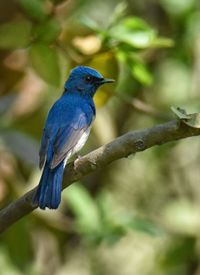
66,130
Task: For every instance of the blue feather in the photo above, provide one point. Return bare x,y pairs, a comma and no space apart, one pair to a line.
67,125
48,193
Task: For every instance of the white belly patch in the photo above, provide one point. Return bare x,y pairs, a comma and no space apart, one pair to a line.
79,145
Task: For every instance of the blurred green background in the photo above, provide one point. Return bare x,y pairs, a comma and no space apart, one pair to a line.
140,215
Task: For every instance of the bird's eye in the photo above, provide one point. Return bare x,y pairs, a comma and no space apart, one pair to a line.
88,78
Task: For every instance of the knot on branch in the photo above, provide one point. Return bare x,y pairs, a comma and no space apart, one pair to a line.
93,165
139,145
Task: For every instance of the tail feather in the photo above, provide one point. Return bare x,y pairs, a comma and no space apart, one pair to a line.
48,193
54,190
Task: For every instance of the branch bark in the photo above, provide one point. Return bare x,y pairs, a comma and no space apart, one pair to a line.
122,146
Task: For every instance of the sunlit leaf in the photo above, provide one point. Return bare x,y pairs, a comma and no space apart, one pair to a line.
135,23
46,63
138,34
134,32
15,34
34,9
194,120
180,113
137,39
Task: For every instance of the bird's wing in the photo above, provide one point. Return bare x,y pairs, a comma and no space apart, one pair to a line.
67,121
67,137
44,147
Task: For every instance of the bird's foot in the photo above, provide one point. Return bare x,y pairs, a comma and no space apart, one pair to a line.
78,158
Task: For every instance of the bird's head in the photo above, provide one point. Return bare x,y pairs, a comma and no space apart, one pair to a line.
85,80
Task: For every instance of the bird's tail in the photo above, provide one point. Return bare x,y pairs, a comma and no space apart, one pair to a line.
48,193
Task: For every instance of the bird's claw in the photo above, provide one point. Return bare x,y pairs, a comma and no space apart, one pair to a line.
76,161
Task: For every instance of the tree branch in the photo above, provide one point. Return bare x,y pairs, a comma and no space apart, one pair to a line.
123,146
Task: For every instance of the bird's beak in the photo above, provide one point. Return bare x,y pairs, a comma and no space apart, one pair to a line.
107,80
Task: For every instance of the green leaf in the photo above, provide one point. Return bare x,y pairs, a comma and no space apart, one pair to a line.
137,39
118,13
144,225
48,31
134,32
138,34
35,8
178,251
137,67
141,73
135,23
180,113
90,23
84,207
194,120
15,34
46,63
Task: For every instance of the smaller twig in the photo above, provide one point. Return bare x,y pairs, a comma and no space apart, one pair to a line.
142,107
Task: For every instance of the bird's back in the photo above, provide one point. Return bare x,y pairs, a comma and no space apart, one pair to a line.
70,106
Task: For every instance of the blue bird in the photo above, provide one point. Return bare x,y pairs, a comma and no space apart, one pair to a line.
66,130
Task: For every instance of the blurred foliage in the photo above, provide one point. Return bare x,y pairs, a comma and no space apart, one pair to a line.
144,209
